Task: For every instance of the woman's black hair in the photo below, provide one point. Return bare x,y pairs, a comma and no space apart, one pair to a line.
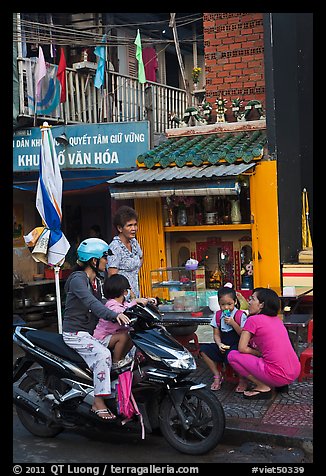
79,266
225,291
123,215
115,285
270,300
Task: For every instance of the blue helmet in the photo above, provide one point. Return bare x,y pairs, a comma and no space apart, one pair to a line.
92,248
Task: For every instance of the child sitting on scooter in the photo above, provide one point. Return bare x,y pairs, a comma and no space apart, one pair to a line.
117,291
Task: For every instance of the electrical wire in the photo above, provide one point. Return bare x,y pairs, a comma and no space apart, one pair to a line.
33,32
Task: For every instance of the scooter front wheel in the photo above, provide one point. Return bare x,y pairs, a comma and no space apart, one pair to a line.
205,421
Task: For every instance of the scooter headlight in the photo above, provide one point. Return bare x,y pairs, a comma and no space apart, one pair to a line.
183,360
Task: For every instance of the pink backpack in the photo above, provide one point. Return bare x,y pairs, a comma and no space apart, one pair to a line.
127,405
237,317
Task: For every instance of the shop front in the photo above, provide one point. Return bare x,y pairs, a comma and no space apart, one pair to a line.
210,196
88,156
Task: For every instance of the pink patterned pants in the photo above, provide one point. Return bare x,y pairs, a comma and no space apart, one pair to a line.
97,357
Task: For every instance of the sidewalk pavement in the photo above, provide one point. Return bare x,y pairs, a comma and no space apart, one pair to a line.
284,420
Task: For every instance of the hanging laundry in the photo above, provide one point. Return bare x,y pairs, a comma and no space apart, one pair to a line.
100,51
139,57
61,75
150,63
40,72
48,98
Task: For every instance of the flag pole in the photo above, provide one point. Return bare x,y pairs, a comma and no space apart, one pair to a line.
35,113
306,216
57,288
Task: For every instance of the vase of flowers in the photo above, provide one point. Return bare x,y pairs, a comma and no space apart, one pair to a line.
247,276
195,76
182,215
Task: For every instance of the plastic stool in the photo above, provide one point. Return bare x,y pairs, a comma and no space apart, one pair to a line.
193,347
228,373
307,355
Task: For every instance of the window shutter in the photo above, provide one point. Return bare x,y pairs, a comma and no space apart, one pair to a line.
132,61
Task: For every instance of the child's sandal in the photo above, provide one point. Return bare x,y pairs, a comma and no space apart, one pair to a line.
218,380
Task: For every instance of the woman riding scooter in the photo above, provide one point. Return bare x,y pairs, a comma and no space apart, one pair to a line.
83,308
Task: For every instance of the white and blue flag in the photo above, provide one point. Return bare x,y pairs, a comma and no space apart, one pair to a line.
50,245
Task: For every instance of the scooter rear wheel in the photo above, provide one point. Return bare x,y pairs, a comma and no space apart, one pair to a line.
34,425
205,416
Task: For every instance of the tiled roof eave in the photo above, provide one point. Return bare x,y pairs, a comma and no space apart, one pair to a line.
190,164
210,149
178,175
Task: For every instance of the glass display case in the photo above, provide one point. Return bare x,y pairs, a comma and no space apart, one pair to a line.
179,289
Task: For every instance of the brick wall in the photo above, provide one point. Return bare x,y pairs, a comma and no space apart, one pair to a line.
234,58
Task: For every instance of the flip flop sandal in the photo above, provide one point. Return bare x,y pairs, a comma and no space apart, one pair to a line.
241,388
216,385
259,395
104,411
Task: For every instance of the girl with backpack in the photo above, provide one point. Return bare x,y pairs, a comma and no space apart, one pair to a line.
227,324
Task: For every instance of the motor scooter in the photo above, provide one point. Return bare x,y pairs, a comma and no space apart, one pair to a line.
53,387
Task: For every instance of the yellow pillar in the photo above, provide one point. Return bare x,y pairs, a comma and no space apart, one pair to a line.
151,239
265,230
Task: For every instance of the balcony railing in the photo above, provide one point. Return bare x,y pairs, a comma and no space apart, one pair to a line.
123,99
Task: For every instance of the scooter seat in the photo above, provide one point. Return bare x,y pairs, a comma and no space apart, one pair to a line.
54,343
